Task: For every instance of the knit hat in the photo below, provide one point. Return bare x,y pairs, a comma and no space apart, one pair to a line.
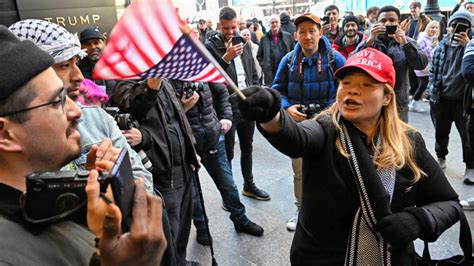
462,14
21,62
50,37
350,18
375,63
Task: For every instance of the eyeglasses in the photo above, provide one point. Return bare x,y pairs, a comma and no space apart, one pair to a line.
62,100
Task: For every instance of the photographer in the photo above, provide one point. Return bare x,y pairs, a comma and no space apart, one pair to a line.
307,86
388,37
95,124
39,132
166,138
359,153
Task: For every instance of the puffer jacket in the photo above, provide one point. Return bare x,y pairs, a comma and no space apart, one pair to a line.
309,86
426,46
212,106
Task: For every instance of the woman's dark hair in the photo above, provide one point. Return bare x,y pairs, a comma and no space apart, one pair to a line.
18,100
227,13
389,9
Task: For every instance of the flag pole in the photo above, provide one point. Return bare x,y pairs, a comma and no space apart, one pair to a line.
187,32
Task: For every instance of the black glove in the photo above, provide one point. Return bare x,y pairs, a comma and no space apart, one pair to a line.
262,104
398,229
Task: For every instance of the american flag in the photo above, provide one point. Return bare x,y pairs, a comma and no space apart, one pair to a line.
148,42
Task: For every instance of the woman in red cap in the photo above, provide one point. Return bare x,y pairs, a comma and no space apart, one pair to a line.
370,186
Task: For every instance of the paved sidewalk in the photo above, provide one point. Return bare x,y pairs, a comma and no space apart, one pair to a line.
273,173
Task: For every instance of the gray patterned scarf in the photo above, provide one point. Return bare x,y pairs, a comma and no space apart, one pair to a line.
365,246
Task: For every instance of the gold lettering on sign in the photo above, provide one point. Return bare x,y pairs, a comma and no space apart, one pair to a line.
61,21
48,19
72,23
85,20
95,18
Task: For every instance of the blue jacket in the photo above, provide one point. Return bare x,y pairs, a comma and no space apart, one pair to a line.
315,87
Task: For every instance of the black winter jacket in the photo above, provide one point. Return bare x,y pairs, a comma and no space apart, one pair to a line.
203,118
265,54
144,105
403,56
330,197
216,46
287,25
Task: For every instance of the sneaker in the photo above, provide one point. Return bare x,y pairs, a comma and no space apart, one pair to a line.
416,107
249,228
467,204
252,191
291,225
203,237
469,177
442,163
411,104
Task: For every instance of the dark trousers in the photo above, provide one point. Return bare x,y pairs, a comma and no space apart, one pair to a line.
179,205
422,84
443,114
245,130
413,81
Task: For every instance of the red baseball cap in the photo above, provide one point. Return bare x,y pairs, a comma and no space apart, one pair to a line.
375,63
308,17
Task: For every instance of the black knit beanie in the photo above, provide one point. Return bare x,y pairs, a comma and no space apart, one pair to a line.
21,62
350,18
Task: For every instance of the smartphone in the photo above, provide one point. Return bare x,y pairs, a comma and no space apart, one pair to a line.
123,187
461,27
238,39
325,19
390,29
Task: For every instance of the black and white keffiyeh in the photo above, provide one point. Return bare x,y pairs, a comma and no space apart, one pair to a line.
365,246
51,38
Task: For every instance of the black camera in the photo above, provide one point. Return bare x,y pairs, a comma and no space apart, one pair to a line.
310,109
49,194
190,87
124,121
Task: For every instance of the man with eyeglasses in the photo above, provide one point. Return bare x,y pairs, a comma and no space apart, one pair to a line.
39,132
95,124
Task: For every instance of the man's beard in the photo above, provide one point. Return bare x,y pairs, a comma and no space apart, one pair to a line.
351,34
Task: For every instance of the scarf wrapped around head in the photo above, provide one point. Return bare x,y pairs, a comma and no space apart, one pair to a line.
51,38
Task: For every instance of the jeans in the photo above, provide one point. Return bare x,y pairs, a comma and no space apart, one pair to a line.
218,167
245,130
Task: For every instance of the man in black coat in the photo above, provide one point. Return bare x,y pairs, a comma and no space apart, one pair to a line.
273,46
166,138
238,62
286,24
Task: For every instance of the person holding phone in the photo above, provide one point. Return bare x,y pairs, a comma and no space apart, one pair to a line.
331,23
387,37
446,90
39,132
237,61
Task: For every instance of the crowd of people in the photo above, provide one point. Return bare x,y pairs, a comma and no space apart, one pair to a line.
333,93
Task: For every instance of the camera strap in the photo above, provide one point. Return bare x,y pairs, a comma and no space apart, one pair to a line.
48,220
